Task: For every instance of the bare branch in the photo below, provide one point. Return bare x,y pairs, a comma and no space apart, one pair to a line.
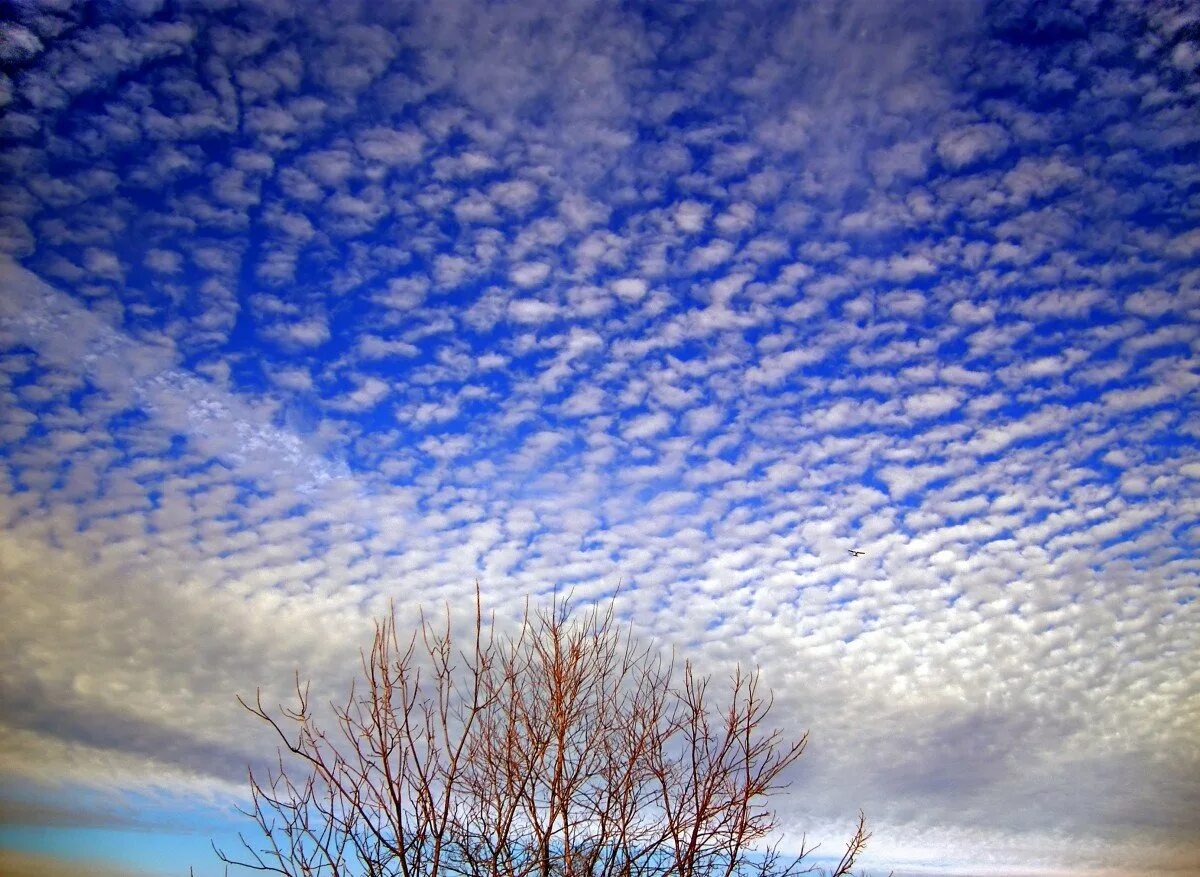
563,749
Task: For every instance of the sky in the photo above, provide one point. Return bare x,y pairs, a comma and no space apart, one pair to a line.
309,307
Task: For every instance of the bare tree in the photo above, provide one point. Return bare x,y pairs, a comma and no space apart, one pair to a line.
565,749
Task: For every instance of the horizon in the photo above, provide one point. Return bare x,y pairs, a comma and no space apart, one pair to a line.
860,344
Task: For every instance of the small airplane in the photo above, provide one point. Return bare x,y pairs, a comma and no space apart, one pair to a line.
856,553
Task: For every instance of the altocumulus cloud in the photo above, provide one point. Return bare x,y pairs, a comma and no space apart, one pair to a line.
309,307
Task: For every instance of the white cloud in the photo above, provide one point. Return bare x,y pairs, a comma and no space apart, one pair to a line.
390,146
375,347
932,403
18,44
691,216
530,274
967,313
514,194
164,261
901,161
310,332
531,310
709,256
1150,303
736,218
475,208
103,264
703,420
969,144
369,392
292,378
630,288
646,426
906,268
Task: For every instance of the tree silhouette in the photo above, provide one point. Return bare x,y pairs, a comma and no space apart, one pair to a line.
563,749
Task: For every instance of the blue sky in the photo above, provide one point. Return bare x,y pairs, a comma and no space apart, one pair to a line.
309,307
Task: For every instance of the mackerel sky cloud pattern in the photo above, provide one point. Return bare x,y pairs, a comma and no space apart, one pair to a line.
308,307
